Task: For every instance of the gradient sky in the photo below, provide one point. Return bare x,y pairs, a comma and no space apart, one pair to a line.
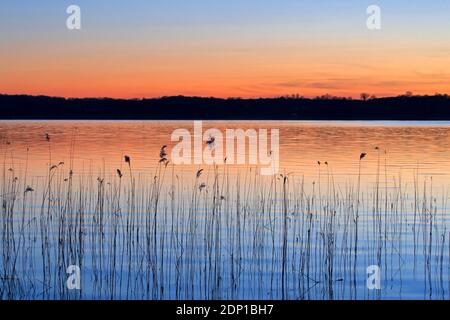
227,48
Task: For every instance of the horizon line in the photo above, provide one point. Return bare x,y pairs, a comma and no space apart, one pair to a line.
294,96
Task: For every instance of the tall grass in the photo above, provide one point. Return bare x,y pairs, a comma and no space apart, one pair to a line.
215,234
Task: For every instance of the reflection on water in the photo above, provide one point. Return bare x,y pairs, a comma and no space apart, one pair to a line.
423,145
174,232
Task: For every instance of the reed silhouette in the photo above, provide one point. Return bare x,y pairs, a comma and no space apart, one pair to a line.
210,234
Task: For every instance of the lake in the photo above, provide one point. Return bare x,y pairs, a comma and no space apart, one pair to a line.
100,210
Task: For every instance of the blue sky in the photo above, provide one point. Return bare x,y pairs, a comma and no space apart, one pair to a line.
248,32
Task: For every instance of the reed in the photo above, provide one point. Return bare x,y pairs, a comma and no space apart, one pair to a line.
216,234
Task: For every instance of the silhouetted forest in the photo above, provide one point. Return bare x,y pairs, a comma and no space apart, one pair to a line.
406,107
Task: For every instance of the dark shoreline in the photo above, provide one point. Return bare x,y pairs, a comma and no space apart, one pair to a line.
416,108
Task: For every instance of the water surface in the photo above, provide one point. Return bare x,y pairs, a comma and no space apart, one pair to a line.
174,232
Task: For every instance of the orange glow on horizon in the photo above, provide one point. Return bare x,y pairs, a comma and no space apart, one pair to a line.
139,72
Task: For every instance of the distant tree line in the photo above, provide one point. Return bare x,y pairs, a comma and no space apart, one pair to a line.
295,107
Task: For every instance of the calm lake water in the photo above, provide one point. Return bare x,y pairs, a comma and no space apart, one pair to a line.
157,230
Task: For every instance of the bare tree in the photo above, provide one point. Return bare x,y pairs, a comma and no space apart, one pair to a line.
364,96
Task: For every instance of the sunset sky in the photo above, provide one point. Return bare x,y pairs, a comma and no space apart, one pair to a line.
245,48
